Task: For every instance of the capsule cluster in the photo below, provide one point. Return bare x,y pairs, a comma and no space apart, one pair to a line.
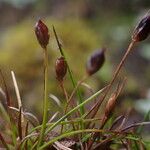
97,59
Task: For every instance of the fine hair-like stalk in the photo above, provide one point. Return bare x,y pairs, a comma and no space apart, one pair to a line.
45,105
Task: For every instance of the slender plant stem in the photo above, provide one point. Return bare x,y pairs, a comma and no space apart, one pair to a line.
64,91
45,105
131,45
135,125
73,92
19,101
117,93
70,72
67,103
66,97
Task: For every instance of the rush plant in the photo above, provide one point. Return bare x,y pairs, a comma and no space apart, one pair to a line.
78,128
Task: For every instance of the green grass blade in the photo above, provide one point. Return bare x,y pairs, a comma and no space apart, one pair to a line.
68,134
74,109
70,72
77,120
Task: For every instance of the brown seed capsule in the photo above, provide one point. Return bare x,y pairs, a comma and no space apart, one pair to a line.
95,62
60,68
110,104
142,30
42,34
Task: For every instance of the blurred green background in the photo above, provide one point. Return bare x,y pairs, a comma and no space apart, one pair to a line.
83,26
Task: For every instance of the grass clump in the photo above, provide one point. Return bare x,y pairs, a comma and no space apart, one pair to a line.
80,126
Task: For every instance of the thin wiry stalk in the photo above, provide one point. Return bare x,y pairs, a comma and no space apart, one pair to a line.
26,133
124,120
64,90
73,92
130,47
16,90
117,92
17,94
20,124
135,125
53,117
116,121
55,99
67,99
45,106
70,72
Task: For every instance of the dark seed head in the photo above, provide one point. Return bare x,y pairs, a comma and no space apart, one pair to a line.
42,34
95,62
60,68
142,30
